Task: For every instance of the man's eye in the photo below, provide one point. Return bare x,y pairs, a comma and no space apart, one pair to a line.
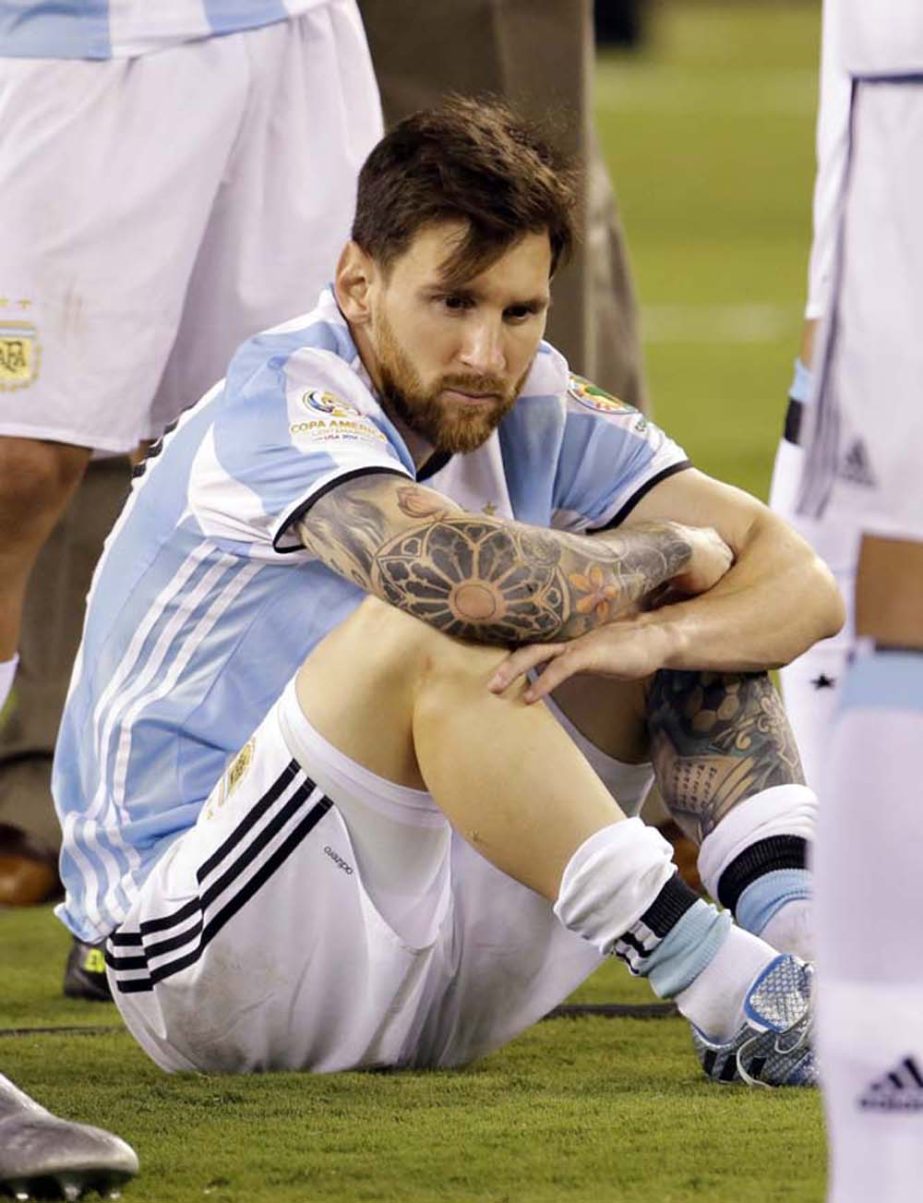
456,303
518,313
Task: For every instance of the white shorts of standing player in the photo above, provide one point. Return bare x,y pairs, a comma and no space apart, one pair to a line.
811,684
869,888
204,189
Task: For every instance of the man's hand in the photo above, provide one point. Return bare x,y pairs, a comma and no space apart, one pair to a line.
629,649
711,558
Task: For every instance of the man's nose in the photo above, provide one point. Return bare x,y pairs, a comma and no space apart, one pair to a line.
482,350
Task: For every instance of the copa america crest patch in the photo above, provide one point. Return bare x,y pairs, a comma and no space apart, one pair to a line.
327,403
593,397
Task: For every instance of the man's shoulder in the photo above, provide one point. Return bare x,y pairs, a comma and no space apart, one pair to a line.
309,365
318,342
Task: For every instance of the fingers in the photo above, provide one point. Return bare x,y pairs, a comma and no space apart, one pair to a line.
570,660
522,661
557,662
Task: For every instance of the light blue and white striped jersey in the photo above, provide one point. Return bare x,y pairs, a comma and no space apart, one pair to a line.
204,603
102,29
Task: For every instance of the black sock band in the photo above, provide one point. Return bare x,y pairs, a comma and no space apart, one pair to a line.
669,906
765,856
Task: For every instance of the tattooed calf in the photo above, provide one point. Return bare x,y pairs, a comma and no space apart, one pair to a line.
715,740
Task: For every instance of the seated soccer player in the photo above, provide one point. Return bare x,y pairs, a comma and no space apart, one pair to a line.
307,798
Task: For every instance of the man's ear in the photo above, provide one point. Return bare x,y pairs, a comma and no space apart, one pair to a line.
355,277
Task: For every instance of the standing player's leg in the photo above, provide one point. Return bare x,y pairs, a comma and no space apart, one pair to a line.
870,956
83,338
37,479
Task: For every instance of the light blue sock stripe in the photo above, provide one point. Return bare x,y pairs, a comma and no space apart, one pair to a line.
768,894
801,383
684,951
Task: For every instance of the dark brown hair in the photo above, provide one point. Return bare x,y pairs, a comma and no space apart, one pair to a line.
470,160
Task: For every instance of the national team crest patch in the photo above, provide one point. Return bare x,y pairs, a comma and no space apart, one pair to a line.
596,398
235,773
240,765
327,403
20,355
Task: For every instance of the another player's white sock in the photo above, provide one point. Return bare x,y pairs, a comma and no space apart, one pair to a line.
7,674
620,891
755,864
870,947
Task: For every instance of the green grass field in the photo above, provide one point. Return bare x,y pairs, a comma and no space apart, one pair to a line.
709,134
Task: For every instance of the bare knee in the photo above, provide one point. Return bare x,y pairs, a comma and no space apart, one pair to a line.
411,651
37,479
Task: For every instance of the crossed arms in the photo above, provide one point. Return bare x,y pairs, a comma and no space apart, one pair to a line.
492,581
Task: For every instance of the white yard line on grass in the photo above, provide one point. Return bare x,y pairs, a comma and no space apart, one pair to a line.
750,323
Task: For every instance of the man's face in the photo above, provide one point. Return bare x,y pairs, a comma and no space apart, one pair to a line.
450,360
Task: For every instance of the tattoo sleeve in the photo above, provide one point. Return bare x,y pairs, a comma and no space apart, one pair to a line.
477,577
716,739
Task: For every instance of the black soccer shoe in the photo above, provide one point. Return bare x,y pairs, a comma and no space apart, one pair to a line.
43,1157
85,973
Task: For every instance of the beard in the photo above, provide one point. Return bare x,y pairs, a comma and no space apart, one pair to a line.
447,427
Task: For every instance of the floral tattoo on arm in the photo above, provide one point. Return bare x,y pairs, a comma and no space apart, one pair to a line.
480,578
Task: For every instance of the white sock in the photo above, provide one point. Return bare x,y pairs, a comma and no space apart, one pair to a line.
791,929
714,1001
869,941
7,673
754,863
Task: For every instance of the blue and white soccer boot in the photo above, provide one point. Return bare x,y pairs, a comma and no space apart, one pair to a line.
773,1045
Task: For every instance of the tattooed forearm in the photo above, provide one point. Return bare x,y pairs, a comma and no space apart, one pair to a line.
479,578
345,535
715,740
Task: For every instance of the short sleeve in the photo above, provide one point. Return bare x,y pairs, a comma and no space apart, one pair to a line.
301,424
610,456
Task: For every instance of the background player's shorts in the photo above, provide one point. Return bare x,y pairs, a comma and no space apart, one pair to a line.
205,189
811,683
255,944
863,462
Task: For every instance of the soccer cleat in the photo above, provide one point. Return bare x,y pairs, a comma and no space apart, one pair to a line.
773,1046
43,1157
85,973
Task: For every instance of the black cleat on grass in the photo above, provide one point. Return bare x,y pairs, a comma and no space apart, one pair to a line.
85,973
43,1157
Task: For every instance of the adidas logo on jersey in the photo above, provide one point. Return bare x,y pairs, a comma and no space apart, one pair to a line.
855,466
899,1090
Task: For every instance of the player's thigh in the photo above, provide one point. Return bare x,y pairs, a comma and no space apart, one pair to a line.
107,173
510,961
254,945
361,685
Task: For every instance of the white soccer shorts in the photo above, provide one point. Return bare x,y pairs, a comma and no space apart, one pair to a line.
156,211
811,683
255,944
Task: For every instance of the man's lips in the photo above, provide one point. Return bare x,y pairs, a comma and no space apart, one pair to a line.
466,397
